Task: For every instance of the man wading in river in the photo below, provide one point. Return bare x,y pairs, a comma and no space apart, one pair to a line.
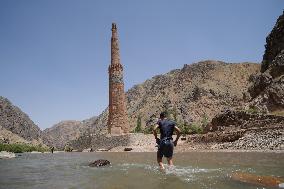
165,143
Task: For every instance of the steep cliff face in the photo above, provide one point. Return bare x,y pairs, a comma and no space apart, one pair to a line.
274,44
267,87
14,120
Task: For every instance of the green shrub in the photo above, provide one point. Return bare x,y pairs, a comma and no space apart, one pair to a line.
20,148
195,128
185,129
68,148
148,130
252,110
138,128
204,121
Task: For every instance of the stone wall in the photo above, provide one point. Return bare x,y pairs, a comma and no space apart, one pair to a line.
109,141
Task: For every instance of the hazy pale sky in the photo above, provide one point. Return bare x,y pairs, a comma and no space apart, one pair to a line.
54,54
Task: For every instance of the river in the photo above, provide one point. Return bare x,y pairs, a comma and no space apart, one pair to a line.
194,170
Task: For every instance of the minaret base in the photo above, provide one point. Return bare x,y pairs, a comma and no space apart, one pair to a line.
116,131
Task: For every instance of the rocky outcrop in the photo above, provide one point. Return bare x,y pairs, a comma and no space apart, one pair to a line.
242,130
243,120
100,163
17,122
267,87
274,44
256,130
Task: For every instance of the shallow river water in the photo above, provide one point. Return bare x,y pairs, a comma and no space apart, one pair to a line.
136,170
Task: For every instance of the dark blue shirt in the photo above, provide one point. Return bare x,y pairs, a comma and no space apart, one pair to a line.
167,128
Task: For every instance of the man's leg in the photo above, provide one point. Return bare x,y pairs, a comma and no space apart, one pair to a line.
160,158
170,161
169,153
160,162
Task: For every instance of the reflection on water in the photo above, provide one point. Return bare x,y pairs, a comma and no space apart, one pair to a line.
136,170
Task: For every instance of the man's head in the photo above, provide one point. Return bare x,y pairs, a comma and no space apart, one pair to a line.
163,115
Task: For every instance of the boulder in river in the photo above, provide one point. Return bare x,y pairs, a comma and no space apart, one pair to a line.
99,163
128,149
266,181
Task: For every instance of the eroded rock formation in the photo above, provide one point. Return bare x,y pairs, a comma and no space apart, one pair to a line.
267,87
13,119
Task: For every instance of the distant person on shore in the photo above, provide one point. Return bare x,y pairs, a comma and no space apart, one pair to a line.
165,142
52,149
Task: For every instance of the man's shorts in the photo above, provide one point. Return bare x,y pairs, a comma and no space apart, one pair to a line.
166,148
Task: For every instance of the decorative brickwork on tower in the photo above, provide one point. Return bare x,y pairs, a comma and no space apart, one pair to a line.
117,119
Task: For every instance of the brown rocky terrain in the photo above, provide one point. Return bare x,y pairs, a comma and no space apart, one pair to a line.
7,136
267,87
62,133
255,119
196,91
262,125
242,130
16,125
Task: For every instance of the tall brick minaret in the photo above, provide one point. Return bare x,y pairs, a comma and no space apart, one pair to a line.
117,119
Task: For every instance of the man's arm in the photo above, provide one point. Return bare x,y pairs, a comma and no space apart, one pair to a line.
155,131
178,135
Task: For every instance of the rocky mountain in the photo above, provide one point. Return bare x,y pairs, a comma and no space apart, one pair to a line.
197,91
15,124
261,125
202,90
267,86
63,132
7,136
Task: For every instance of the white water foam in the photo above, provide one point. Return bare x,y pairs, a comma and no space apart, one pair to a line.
187,173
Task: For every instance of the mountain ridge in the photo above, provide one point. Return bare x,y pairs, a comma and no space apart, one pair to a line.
204,88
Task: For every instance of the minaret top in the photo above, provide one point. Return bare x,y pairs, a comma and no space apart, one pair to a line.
115,58
114,30
113,26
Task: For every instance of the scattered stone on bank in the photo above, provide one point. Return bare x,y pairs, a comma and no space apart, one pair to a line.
35,152
88,150
257,140
99,163
127,149
7,155
102,150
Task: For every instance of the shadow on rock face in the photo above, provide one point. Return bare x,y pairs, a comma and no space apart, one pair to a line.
266,181
100,163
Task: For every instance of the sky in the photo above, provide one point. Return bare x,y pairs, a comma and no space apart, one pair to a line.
54,54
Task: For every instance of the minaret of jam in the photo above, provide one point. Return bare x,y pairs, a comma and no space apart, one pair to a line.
117,118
